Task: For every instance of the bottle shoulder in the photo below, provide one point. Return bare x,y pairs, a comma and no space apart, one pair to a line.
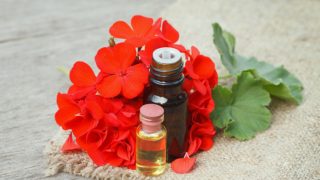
151,136
164,100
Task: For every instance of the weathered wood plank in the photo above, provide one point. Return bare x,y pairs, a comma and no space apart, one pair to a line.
36,37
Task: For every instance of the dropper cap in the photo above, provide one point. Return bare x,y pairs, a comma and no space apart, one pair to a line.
151,117
166,66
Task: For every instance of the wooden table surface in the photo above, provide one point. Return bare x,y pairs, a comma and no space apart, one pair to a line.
37,37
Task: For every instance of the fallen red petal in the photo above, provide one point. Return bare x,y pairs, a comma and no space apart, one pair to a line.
183,165
70,145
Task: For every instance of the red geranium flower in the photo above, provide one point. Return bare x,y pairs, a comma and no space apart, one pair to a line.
112,146
103,111
203,104
119,74
142,30
83,79
152,45
198,69
79,116
201,133
120,114
167,37
114,112
169,33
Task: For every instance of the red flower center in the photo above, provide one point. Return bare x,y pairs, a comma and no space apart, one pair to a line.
123,73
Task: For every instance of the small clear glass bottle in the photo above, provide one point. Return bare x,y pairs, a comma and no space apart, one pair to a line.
151,141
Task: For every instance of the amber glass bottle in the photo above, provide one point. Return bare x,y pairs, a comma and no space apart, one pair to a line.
165,89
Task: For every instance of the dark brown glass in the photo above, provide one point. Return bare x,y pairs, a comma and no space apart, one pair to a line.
165,90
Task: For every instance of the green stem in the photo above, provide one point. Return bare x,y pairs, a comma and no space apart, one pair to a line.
63,70
225,77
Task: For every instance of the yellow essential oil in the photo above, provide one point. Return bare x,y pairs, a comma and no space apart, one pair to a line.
151,141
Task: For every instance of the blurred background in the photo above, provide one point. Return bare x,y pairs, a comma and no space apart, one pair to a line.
39,36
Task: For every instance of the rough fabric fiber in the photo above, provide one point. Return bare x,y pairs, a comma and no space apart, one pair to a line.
280,32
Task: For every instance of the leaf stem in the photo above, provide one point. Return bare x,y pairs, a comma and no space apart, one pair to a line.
64,70
225,77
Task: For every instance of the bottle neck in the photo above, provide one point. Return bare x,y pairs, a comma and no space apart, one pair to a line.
165,90
165,77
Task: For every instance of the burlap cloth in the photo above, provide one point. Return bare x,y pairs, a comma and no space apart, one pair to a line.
280,32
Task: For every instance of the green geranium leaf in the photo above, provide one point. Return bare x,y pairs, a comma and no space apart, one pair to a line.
242,111
276,80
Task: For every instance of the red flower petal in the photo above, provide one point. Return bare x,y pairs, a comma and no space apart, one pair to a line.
121,29
81,74
213,81
138,72
112,105
116,59
169,33
92,140
70,145
199,86
78,92
187,85
81,126
207,143
97,156
66,114
179,47
203,104
110,119
110,86
190,70
95,109
103,56
146,55
136,41
142,30
126,122
64,100
128,111
122,152
113,159
132,167
141,24
203,66
155,29
183,165
194,146
122,135
133,83
125,54
194,52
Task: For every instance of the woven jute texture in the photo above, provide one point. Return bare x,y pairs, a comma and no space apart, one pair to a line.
279,32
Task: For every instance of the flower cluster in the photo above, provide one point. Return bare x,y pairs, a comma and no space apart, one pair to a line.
102,110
